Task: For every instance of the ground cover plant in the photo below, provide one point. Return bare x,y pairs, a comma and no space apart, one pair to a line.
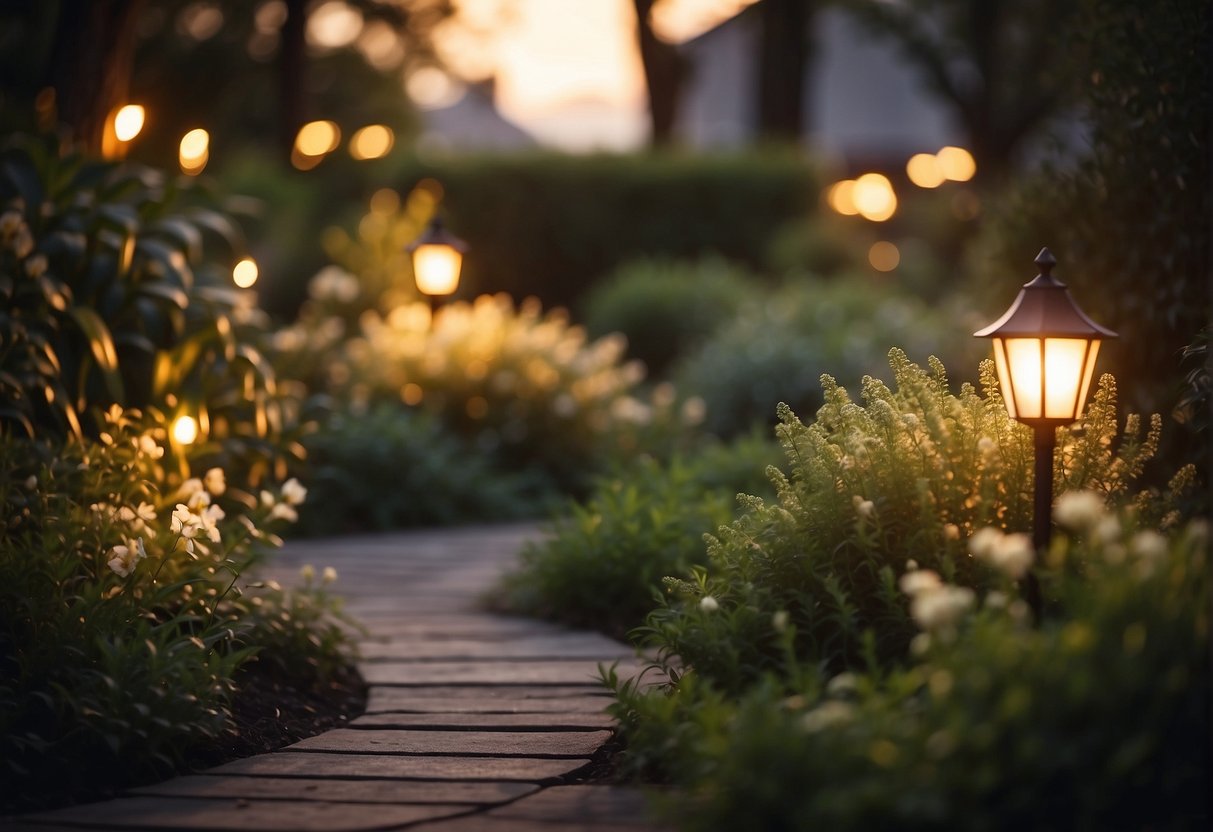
601,564
129,621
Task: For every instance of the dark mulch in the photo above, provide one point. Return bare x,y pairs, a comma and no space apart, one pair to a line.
269,711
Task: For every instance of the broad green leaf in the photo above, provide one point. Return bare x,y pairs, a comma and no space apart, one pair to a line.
101,343
165,292
187,236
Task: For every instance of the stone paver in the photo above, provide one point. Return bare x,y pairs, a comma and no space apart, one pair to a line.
474,723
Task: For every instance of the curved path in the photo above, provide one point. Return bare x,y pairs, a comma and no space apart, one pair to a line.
474,722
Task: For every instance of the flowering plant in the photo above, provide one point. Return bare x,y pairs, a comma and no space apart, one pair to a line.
124,616
913,474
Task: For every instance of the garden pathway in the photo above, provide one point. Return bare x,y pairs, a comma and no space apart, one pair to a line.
474,722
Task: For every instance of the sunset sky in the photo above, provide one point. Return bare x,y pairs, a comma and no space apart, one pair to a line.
570,72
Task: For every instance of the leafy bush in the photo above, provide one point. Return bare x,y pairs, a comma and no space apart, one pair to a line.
1097,719
911,474
122,620
780,344
524,387
664,308
390,468
601,566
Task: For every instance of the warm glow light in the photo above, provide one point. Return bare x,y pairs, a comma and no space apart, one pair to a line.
436,268
678,21
874,197
1068,366
925,171
372,142
333,25
244,274
884,256
957,164
128,121
194,151
316,138
185,430
431,88
841,197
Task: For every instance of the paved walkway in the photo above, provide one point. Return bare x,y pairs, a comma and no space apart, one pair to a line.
474,722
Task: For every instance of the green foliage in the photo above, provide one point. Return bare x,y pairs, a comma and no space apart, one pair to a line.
122,622
602,565
1130,222
780,344
523,387
550,225
115,289
664,308
1096,719
908,475
390,468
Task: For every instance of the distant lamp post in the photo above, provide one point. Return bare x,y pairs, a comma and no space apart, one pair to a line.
1044,351
437,261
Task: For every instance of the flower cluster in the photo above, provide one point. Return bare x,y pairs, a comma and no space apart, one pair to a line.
1010,554
935,606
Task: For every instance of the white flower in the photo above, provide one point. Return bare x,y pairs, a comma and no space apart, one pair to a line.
996,600
293,493
123,558
329,575
1012,555
308,572
984,542
919,581
208,519
1078,511
826,715
864,508
940,609
951,531
267,499
215,482
1148,545
148,447
709,604
281,511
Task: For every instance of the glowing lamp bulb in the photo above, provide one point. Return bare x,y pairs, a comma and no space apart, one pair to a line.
185,430
437,260
128,121
244,274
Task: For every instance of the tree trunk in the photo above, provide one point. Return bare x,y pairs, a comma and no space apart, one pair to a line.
91,63
783,55
664,70
292,52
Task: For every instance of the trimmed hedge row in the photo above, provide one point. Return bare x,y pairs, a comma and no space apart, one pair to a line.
549,225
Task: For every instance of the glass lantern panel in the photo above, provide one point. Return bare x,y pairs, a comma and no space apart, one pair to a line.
1064,364
436,268
1087,375
1025,371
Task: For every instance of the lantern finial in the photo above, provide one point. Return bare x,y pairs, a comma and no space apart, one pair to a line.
1046,261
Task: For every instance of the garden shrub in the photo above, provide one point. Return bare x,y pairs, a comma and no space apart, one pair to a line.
124,628
664,308
602,564
125,609
1097,718
391,468
779,345
524,387
910,474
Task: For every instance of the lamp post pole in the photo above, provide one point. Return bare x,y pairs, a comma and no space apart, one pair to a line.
1045,349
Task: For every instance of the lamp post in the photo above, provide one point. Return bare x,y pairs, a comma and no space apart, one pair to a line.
437,260
1044,351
